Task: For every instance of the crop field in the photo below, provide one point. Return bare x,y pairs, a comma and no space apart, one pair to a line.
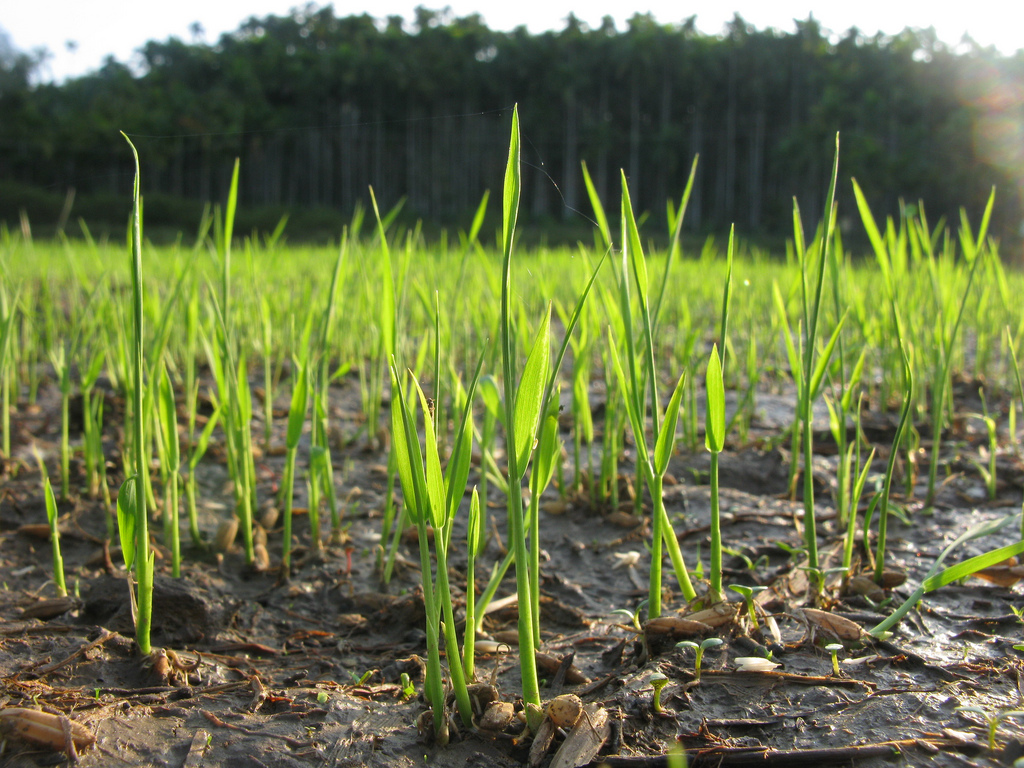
391,503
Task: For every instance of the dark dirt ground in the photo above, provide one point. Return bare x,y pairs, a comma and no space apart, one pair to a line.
306,673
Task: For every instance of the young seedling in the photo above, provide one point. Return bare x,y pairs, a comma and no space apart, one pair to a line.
638,380
908,399
170,463
62,369
711,642
658,681
992,720
132,516
834,649
748,597
433,498
633,616
714,441
429,496
51,516
936,578
408,689
813,363
476,537
296,418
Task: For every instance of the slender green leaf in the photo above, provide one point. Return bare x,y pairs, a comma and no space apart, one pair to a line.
881,253
492,397
402,422
169,419
478,218
457,471
714,422
987,528
299,405
547,452
52,517
510,198
204,437
595,201
855,376
971,566
126,517
634,249
667,436
632,407
529,396
232,206
433,474
476,534
387,292
822,365
791,351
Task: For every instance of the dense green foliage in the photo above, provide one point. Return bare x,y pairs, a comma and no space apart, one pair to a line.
319,107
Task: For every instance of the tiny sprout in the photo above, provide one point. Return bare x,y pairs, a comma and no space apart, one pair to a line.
834,649
711,642
659,681
748,596
633,616
362,679
1019,647
408,689
992,720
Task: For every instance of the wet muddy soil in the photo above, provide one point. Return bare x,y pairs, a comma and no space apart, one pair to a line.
258,671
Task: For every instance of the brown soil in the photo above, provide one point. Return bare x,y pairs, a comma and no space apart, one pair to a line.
307,672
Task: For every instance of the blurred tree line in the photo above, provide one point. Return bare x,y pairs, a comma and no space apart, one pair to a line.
318,107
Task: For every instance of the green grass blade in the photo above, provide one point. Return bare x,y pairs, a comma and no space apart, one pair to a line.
204,437
433,474
868,219
404,446
232,206
667,436
792,355
387,294
569,328
595,202
984,529
169,419
971,566
298,407
126,518
634,247
823,360
632,407
52,518
529,395
491,396
510,198
673,251
547,452
714,429
478,218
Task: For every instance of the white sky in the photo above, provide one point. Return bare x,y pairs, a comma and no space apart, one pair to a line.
118,27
